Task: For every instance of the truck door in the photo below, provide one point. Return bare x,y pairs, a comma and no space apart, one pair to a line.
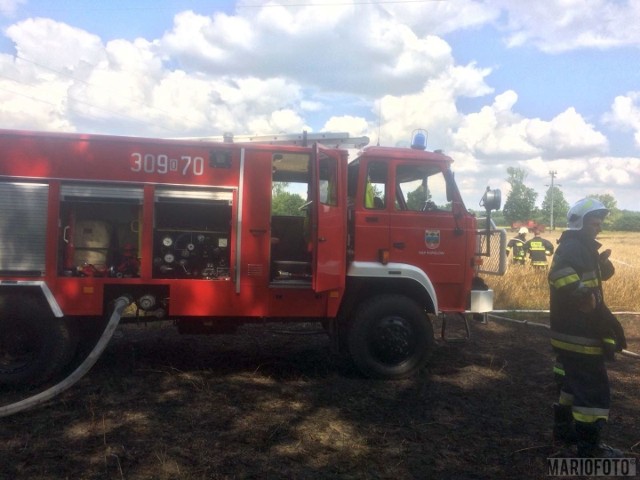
425,229
329,210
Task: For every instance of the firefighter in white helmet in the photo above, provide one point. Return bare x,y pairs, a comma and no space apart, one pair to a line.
584,332
516,245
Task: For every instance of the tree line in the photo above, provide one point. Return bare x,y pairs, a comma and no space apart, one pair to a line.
520,206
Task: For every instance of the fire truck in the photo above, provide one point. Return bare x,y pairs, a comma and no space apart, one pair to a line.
187,230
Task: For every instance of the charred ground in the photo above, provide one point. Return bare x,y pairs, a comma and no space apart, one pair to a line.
273,403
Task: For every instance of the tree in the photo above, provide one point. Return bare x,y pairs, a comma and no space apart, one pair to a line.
521,201
417,198
614,213
627,222
284,202
556,198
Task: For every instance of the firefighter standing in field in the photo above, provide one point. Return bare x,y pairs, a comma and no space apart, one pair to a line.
584,332
538,249
516,245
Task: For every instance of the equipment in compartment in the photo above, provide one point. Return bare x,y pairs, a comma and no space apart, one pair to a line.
100,238
192,234
92,240
195,254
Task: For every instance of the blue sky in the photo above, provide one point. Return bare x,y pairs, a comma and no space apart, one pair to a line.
542,86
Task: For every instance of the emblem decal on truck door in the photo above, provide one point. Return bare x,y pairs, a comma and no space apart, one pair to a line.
432,238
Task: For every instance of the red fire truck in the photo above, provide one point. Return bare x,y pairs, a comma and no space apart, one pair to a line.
185,228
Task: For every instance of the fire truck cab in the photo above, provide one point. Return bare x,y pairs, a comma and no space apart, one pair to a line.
199,232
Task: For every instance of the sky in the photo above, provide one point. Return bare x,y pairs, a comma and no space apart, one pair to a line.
549,86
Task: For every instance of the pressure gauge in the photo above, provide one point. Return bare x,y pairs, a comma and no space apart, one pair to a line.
169,258
167,241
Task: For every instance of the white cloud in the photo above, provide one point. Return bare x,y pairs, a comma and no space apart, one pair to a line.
440,18
54,45
625,114
360,49
567,134
272,69
9,7
356,126
561,25
497,132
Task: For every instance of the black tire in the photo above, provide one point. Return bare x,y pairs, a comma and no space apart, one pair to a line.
34,345
391,337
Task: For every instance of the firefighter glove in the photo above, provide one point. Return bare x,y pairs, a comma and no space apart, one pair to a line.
618,332
614,329
606,267
609,348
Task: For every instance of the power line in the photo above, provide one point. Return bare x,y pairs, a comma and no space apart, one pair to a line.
297,3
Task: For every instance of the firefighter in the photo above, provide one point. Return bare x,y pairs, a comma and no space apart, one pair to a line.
538,249
584,332
516,244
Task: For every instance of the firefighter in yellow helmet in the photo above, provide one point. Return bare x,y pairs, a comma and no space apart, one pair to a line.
584,332
516,245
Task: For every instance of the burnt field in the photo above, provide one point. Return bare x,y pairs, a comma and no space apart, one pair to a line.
273,403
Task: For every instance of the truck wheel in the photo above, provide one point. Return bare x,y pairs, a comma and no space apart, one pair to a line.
34,345
391,337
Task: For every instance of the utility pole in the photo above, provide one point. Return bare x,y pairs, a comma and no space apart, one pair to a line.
553,174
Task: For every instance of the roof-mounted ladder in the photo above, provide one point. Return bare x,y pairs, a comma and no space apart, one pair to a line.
328,139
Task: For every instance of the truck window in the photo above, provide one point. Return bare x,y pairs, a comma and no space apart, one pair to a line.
421,188
375,193
290,184
328,181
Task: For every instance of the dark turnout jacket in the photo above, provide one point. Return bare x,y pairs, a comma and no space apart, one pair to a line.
576,272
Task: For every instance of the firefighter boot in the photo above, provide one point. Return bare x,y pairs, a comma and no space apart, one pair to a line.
589,445
563,427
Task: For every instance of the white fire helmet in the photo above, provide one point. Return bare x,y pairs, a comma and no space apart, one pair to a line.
577,212
523,231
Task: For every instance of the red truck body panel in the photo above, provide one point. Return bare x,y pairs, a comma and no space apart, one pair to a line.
193,219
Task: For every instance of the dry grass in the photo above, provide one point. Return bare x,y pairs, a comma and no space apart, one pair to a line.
267,406
526,288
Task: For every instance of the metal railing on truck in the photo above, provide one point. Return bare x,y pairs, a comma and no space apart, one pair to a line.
492,248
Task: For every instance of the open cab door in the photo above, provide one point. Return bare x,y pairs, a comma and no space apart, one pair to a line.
329,218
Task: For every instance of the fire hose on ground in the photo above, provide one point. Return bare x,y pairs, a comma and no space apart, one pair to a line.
626,353
119,305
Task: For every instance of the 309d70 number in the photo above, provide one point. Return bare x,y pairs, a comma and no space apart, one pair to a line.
162,164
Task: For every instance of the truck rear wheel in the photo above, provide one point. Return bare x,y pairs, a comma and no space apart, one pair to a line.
34,345
391,337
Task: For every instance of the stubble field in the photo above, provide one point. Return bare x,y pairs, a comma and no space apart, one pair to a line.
273,403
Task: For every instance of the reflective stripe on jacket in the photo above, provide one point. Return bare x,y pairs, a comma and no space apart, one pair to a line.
573,276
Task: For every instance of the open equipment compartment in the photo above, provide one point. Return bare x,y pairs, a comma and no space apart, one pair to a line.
192,234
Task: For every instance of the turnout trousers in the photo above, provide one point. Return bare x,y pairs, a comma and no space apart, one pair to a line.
584,387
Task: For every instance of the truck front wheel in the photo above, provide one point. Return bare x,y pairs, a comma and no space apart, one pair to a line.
34,345
391,337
